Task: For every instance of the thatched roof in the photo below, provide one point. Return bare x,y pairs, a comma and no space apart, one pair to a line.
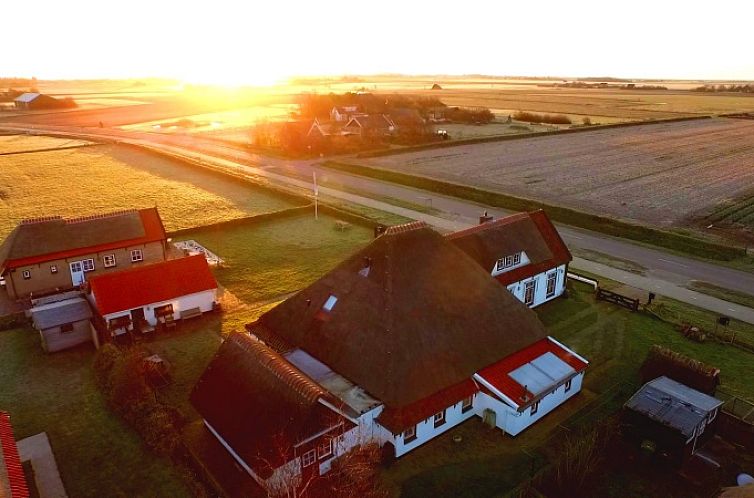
260,403
413,315
531,232
42,239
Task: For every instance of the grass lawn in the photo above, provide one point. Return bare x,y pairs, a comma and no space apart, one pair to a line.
97,454
487,463
273,258
110,177
722,293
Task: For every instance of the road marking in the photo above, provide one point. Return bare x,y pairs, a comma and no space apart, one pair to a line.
731,309
672,262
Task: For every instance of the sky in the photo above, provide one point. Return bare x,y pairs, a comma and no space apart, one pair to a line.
253,42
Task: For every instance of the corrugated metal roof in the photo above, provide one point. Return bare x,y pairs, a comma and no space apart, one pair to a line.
673,404
542,373
27,97
61,313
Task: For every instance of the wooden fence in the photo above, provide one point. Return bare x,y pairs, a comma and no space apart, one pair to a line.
619,299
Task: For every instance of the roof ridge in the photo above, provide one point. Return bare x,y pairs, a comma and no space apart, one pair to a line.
406,227
505,220
279,367
99,216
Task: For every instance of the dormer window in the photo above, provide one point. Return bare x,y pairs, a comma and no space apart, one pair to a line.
330,303
508,262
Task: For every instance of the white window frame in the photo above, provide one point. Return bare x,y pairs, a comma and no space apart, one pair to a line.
324,450
309,458
26,274
534,409
409,434
109,260
508,262
533,285
53,268
87,264
137,255
467,404
551,277
517,259
438,419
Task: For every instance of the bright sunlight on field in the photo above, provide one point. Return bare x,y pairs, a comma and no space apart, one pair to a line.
103,178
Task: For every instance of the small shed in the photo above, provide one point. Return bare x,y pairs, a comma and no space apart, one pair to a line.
63,324
669,417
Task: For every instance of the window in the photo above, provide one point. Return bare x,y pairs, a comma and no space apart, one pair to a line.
517,258
53,268
76,267
88,264
508,262
109,260
65,328
137,255
409,434
568,385
309,458
330,303
534,408
467,404
529,288
552,279
439,418
26,274
325,449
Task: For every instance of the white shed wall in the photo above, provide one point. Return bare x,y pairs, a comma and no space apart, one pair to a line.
202,300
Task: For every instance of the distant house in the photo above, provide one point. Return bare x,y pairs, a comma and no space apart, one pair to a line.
316,130
369,125
523,252
35,101
141,297
403,341
12,479
669,416
343,114
47,255
63,324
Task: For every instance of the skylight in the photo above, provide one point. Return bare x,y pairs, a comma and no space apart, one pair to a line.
330,303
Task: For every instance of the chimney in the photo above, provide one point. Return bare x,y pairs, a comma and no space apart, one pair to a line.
485,218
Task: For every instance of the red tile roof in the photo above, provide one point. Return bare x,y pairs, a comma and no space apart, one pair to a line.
497,373
531,232
98,233
16,479
397,420
128,289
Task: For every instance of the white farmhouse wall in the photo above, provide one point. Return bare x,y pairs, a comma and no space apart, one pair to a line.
425,430
202,300
540,292
517,422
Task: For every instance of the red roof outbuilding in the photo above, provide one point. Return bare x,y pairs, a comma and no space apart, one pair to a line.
137,287
9,454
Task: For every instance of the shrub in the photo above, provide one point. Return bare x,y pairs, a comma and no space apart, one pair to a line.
587,121
533,117
104,362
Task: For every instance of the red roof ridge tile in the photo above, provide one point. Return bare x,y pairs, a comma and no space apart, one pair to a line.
506,220
16,479
406,227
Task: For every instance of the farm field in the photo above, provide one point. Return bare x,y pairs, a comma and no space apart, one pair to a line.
487,463
660,174
21,143
273,258
103,178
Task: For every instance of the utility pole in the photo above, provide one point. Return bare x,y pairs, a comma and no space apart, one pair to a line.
316,194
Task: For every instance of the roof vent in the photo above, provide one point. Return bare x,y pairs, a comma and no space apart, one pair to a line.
485,218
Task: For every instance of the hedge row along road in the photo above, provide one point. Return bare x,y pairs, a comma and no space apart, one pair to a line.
663,269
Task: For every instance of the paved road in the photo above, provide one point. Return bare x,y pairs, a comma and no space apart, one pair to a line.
447,213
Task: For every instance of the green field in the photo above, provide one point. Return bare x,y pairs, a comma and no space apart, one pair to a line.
274,258
105,178
615,341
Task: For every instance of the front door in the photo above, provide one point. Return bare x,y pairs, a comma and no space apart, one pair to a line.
137,317
77,273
